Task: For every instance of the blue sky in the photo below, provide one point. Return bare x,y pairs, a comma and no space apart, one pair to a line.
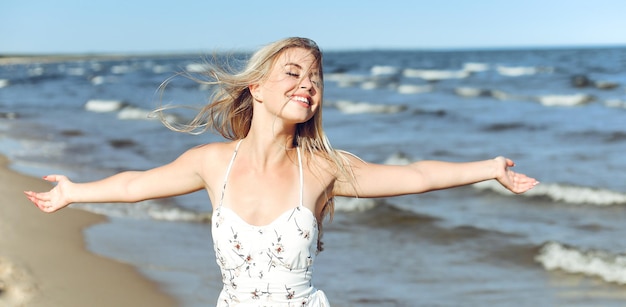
144,26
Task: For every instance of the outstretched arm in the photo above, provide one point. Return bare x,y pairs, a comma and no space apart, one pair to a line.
377,180
175,178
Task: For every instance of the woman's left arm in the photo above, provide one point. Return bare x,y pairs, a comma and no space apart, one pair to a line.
378,180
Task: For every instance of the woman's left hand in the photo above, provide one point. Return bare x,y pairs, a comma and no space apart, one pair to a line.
515,182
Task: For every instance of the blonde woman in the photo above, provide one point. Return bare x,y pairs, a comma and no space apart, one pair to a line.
273,182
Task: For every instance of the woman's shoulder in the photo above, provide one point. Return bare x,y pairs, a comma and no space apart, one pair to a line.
217,147
216,152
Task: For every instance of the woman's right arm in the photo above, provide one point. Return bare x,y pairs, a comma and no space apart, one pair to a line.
178,177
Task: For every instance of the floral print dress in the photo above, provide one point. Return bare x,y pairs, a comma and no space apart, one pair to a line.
269,265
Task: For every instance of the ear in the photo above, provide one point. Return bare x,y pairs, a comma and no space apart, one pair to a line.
255,90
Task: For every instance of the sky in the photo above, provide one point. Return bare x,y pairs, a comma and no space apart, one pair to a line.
157,26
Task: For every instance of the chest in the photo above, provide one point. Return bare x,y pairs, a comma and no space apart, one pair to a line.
260,197
288,241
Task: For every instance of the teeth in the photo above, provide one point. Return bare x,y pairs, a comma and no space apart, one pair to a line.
298,98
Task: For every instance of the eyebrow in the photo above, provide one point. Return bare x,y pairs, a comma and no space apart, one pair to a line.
293,64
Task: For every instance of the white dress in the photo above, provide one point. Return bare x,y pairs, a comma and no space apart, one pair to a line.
268,265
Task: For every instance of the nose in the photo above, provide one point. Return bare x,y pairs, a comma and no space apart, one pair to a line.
306,82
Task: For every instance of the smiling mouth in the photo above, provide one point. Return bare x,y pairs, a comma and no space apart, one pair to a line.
301,99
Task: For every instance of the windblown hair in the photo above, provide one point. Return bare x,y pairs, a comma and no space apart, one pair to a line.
229,111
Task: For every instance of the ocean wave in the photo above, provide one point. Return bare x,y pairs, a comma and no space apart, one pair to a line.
565,100
347,204
476,67
345,80
435,75
351,107
603,264
516,71
615,103
196,67
125,110
151,209
382,70
467,91
551,100
566,193
414,88
378,82
9,115
131,112
104,105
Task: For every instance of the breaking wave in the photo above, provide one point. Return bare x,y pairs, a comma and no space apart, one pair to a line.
566,193
608,266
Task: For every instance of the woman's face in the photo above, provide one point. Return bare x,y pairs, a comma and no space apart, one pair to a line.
293,89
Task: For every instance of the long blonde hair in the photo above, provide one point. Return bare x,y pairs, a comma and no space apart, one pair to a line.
229,111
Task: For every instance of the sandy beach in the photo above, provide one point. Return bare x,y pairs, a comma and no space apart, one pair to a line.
44,262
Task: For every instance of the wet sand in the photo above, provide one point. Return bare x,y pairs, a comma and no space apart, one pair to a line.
44,260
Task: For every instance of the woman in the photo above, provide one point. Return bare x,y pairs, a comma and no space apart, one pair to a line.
274,182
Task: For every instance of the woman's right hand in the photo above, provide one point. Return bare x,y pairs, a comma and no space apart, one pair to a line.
55,199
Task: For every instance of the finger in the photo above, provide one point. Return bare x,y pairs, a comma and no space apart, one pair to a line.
44,196
54,178
510,163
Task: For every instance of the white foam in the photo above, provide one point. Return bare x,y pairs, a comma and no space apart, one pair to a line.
196,67
97,80
345,80
500,95
469,91
120,69
36,71
435,75
350,107
564,193
565,100
475,67
384,70
398,159
516,71
175,214
103,105
414,89
4,83
134,113
150,209
75,71
615,103
609,267
347,204
159,69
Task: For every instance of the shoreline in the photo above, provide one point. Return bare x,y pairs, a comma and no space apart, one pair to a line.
44,260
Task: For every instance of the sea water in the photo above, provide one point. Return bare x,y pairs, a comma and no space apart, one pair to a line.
560,114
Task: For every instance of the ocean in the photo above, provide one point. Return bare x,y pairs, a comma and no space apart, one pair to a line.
560,114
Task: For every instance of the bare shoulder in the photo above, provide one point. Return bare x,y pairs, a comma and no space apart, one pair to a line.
211,160
213,151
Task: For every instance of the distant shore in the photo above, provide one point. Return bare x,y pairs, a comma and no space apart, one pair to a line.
14,59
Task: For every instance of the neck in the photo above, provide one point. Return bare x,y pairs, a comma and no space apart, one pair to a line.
267,147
